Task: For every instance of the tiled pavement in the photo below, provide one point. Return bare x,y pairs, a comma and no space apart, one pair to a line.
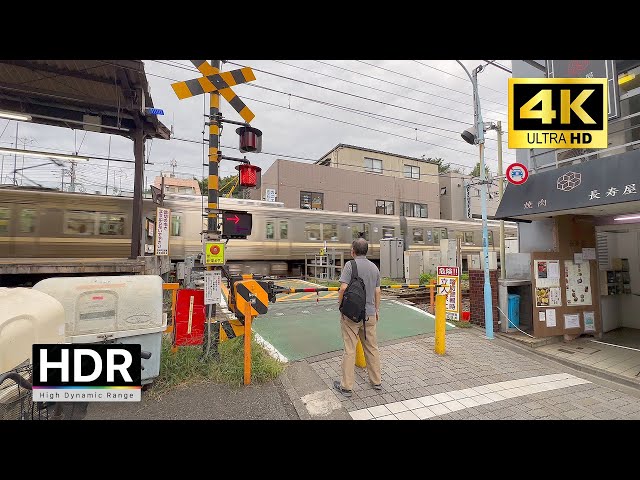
411,372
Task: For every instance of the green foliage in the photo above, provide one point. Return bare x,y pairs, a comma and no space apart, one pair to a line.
464,276
426,278
224,186
476,170
185,366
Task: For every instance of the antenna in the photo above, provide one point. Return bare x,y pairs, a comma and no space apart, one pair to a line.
173,164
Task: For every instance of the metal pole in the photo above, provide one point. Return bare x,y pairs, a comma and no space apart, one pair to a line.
503,260
15,157
488,303
106,185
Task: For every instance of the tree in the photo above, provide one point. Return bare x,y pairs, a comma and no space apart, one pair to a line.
225,184
476,170
442,167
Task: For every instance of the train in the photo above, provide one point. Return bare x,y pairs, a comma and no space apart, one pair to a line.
46,223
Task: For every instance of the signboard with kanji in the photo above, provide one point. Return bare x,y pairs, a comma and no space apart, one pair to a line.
163,215
449,281
212,286
214,253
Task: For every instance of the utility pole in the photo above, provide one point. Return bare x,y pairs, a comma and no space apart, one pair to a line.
503,260
479,140
106,185
72,186
15,157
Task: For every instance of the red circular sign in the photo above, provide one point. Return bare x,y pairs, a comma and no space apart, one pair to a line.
517,173
214,249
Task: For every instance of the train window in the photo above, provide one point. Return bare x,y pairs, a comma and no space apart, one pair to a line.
28,220
312,231
330,232
444,234
468,237
176,229
80,223
388,232
353,207
360,230
418,235
436,237
284,230
271,231
4,220
111,224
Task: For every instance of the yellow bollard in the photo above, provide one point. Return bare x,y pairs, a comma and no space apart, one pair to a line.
360,360
440,323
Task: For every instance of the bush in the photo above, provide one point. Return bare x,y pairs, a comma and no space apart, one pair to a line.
426,278
465,276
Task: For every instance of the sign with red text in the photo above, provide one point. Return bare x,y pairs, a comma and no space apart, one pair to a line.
449,284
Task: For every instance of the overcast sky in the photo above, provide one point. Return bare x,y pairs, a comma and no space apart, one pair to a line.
395,103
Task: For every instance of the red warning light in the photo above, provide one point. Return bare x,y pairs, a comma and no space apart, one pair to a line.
248,174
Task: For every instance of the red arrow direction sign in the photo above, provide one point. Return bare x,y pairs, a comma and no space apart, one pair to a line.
235,219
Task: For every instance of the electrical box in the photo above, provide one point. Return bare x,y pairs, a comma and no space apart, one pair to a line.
413,266
430,261
190,318
392,257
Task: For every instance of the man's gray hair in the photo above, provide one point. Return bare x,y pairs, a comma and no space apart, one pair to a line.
360,246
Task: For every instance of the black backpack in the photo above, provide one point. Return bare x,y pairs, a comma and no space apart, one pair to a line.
354,300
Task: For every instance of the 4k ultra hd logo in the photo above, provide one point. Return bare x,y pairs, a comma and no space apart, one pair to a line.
86,373
558,112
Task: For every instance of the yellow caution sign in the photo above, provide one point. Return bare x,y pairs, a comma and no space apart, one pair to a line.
214,253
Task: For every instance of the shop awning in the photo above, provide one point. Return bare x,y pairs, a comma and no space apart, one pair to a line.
593,187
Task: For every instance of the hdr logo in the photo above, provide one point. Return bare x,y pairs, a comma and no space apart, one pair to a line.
558,112
86,373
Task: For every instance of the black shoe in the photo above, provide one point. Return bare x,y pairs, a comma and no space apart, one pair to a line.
377,386
343,391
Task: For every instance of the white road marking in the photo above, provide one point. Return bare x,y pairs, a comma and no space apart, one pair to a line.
443,403
273,351
614,345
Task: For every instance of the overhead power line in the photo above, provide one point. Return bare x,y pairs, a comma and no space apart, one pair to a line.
456,76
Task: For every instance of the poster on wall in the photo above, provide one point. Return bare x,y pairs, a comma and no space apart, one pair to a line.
547,273
571,320
548,297
551,317
578,283
589,321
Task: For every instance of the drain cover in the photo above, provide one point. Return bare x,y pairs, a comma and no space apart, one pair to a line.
565,351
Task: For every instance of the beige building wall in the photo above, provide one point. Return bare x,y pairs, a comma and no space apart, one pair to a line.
343,186
348,158
452,203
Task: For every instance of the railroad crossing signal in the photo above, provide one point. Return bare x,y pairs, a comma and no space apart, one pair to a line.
214,80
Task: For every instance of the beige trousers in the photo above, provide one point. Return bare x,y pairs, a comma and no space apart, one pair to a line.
350,332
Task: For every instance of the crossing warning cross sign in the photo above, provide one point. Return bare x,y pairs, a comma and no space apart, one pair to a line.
214,80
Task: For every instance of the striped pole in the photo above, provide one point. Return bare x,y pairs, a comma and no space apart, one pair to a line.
214,143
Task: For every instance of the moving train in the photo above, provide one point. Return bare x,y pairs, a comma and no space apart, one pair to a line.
45,223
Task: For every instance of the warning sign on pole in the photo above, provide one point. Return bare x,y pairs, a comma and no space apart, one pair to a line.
163,216
214,253
449,281
212,286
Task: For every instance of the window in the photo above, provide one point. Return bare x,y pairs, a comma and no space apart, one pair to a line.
353,207
384,207
28,220
468,237
372,165
436,237
270,231
284,230
443,190
418,235
312,200
412,172
444,234
312,231
360,230
490,238
330,232
4,220
175,230
111,224
388,232
409,209
80,223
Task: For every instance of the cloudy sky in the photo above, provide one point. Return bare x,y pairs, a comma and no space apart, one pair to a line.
304,109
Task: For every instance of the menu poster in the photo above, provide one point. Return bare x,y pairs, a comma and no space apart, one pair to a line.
578,283
551,317
542,297
547,273
589,321
555,299
571,320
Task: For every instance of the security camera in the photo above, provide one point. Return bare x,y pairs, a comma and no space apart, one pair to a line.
469,135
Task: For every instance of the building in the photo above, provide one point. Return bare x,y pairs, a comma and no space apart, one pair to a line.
460,197
579,215
178,185
355,179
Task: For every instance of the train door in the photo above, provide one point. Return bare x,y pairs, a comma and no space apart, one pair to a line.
284,240
6,242
26,231
270,245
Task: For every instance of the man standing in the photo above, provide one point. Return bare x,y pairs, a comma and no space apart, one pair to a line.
366,330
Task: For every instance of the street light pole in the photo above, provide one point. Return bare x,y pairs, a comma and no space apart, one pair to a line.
479,126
